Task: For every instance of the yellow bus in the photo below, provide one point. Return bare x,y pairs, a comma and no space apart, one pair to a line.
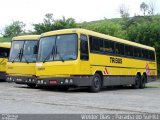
22,60
79,57
4,54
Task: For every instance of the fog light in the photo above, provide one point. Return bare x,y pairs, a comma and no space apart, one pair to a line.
30,79
41,81
66,81
71,80
45,83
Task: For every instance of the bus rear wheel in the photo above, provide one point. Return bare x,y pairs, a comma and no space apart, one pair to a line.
31,85
96,84
142,82
137,82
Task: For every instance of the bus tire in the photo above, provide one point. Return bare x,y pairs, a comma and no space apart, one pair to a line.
31,85
142,82
96,84
63,89
137,82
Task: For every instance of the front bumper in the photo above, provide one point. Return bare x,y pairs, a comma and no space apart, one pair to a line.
68,81
21,79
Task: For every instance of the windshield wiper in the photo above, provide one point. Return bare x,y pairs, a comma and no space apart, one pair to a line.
18,55
25,58
51,53
61,58
56,52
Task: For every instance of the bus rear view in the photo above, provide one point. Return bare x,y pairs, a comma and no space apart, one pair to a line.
4,54
21,63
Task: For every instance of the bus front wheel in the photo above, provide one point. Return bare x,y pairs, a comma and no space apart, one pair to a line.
96,83
31,85
63,89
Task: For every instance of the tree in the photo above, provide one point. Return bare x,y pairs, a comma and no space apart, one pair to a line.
123,10
14,29
144,8
151,10
46,26
49,24
64,23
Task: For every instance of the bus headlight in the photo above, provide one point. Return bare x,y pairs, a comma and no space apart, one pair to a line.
7,78
71,81
41,81
29,79
66,81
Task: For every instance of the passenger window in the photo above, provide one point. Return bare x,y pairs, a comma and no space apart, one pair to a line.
84,47
121,49
152,56
106,46
112,47
127,51
136,52
131,50
117,50
101,45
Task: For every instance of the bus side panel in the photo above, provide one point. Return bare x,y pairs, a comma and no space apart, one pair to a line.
3,62
121,73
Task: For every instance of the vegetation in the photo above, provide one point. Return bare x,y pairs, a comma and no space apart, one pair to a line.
142,29
49,24
4,39
14,29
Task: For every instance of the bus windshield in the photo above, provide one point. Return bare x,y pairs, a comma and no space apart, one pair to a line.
23,51
58,48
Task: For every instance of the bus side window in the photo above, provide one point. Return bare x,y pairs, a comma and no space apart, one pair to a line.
84,47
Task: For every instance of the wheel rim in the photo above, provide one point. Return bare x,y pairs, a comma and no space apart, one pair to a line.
96,82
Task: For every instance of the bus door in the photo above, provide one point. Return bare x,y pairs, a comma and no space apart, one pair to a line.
84,55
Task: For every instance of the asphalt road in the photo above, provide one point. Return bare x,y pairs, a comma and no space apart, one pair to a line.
16,98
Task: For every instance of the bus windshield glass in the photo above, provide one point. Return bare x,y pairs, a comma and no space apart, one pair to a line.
58,48
23,51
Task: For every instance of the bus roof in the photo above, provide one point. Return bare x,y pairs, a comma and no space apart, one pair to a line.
5,45
26,37
96,34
